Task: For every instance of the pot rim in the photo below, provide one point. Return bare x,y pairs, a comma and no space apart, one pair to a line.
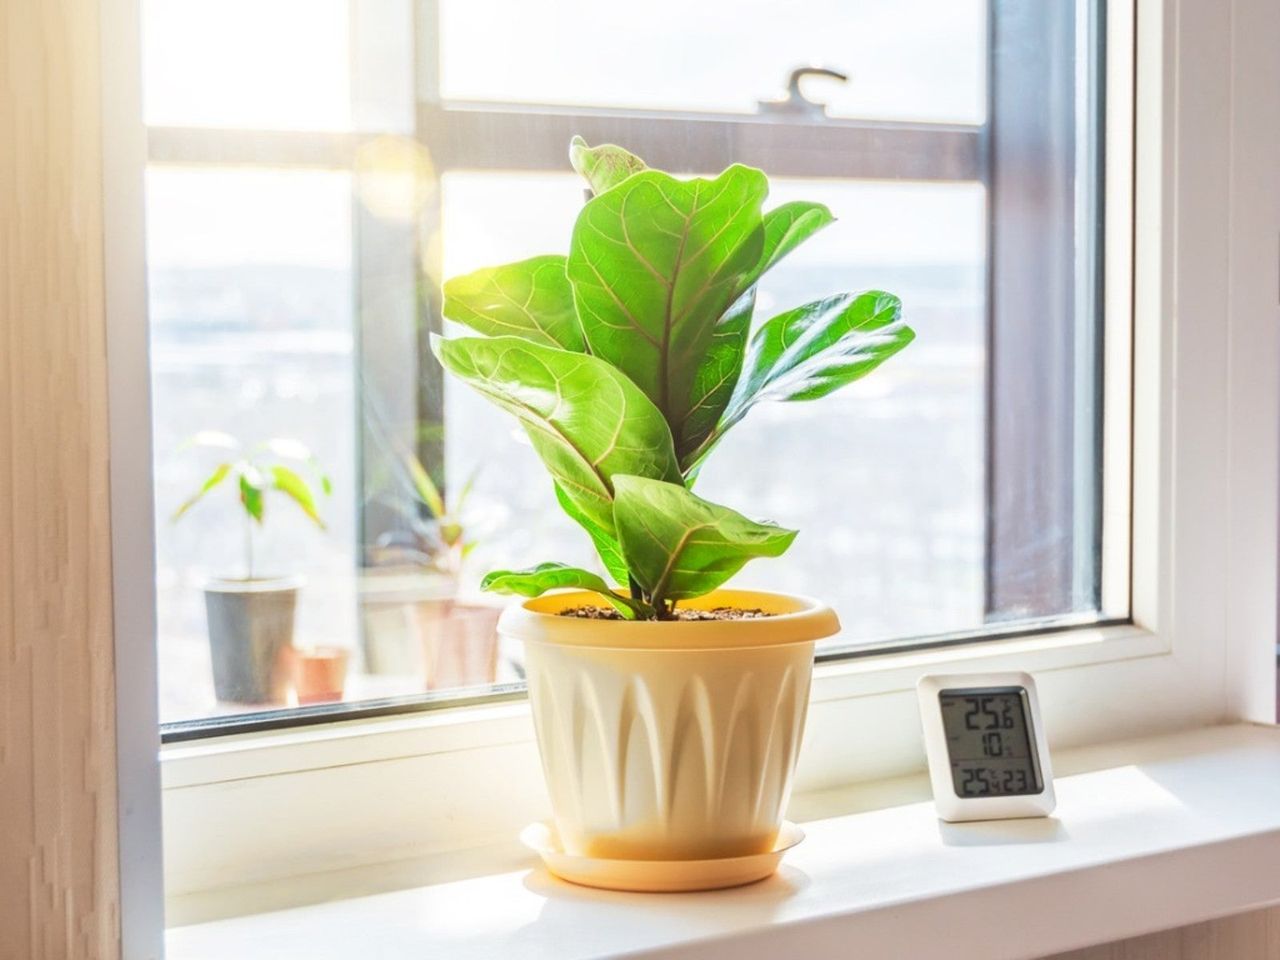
796,619
256,585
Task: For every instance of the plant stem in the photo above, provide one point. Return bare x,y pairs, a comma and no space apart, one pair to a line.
248,547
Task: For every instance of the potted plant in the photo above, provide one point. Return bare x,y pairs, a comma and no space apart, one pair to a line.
251,617
668,710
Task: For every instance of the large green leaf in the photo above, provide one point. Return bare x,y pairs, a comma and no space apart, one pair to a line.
586,420
815,349
654,263
785,228
606,544
810,352
535,581
605,166
716,376
529,299
679,546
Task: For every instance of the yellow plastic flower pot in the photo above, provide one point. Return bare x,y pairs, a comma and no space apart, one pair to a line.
673,740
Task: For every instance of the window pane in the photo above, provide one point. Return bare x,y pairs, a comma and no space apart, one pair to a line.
278,64
954,489
247,63
913,60
892,534
250,300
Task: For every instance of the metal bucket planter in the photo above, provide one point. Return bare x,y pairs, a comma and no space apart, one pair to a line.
250,633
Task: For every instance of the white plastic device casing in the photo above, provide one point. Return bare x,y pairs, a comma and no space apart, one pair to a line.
949,804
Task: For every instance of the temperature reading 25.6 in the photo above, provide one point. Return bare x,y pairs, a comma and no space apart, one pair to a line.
989,742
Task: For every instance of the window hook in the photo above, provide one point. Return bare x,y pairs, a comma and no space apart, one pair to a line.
795,103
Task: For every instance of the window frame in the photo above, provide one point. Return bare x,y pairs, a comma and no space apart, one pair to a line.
1205,448
454,133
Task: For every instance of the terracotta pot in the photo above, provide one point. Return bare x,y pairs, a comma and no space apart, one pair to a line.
319,674
675,740
459,645
250,632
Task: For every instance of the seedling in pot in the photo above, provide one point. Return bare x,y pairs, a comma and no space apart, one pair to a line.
268,466
251,618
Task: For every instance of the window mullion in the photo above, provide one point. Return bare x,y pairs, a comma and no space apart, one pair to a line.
1041,398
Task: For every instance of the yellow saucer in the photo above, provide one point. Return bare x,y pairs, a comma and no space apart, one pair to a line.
657,876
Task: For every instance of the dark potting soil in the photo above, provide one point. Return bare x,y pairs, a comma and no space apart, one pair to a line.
591,612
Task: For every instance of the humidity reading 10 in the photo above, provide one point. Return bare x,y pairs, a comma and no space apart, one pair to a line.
989,742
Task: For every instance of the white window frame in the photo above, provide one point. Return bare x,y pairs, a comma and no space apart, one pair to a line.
246,817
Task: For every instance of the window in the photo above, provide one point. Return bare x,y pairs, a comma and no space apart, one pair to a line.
303,208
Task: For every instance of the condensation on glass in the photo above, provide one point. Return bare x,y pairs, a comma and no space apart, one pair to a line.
310,184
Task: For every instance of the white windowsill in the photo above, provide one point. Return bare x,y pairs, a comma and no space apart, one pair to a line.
1148,835
241,756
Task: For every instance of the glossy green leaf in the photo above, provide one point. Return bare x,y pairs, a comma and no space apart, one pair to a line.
220,473
716,377
815,349
785,228
654,263
812,351
529,299
296,489
606,544
586,420
535,581
605,166
679,546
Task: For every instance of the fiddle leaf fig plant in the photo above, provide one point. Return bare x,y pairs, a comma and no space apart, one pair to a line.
629,359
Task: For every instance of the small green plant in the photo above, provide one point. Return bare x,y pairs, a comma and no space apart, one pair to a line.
629,359
254,471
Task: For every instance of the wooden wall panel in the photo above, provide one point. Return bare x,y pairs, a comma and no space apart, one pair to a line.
1250,936
58,848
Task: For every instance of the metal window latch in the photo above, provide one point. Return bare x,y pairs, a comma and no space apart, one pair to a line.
795,103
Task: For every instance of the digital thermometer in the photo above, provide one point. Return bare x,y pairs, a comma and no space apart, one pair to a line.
988,759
